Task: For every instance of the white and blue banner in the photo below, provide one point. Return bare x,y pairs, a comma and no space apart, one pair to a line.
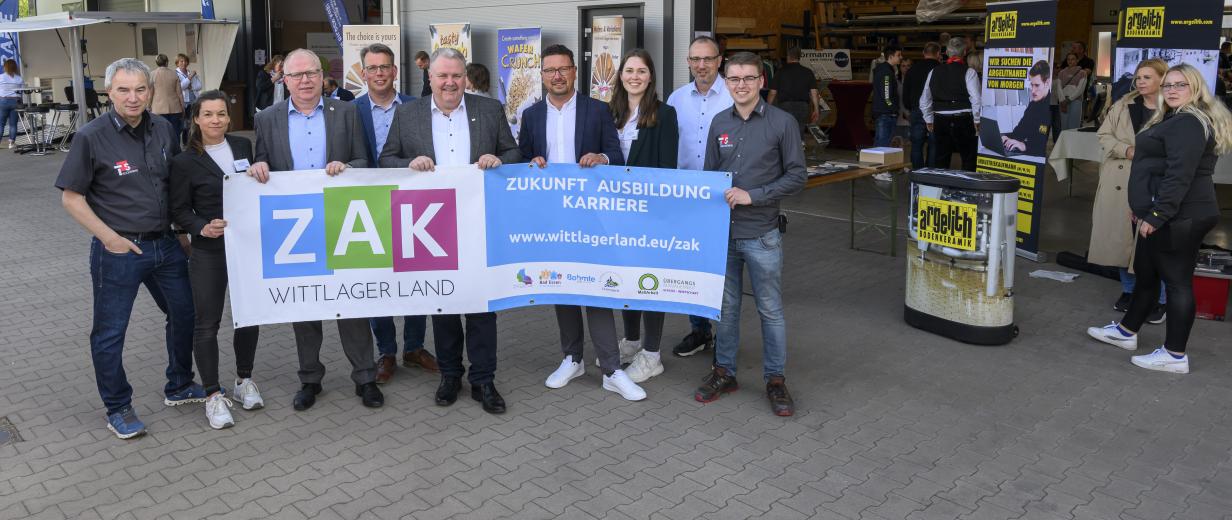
382,242
8,41
207,9
335,12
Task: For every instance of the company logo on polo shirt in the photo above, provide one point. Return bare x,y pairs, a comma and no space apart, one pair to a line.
123,168
1002,25
1144,22
725,141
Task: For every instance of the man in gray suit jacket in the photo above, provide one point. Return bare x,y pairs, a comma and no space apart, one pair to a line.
309,132
450,128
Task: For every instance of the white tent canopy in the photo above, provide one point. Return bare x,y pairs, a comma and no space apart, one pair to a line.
216,38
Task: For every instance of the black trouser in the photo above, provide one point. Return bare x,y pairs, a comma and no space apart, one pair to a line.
654,328
207,272
480,341
800,110
356,337
1168,254
955,133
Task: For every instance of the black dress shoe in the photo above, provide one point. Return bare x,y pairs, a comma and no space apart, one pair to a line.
491,399
306,396
447,393
370,395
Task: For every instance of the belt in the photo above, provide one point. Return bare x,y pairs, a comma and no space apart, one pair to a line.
147,236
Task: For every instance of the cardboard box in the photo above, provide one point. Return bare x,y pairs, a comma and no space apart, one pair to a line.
881,155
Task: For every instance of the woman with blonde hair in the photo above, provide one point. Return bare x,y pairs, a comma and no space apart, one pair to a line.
1112,237
1172,204
10,81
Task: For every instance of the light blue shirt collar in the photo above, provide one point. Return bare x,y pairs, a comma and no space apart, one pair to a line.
291,105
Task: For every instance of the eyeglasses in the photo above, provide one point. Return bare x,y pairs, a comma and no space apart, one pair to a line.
558,70
1174,86
698,59
746,79
308,74
373,69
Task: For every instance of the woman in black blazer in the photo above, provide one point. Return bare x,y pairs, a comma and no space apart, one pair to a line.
196,206
649,138
1172,205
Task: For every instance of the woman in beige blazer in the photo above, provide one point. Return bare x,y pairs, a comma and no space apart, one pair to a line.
167,101
1112,234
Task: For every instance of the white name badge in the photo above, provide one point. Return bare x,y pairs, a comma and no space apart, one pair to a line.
240,165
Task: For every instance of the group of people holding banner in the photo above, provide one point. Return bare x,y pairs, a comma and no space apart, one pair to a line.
156,215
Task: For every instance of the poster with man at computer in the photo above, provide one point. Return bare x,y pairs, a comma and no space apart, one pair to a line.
1015,113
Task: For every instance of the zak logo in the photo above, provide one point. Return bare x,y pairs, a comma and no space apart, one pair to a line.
122,168
724,140
1144,22
1003,25
359,227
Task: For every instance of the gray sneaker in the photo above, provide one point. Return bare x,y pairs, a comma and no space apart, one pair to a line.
248,395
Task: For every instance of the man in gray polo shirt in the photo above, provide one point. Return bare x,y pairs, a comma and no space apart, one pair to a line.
760,146
114,184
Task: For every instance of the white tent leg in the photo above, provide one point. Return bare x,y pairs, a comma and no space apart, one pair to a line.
79,76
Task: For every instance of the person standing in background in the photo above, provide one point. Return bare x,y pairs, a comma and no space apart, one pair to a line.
951,107
478,80
923,142
421,61
795,91
1071,88
333,91
269,83
886,101
9,99
168,99
190,87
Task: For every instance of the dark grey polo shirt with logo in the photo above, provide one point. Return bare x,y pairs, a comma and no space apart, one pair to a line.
765,157
123,171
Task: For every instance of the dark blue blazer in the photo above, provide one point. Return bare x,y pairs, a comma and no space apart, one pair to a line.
595,131
365,117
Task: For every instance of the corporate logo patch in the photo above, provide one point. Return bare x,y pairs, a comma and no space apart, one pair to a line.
522,278
725,140
123,168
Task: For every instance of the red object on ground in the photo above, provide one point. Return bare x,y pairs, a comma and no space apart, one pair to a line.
1210,296
850,131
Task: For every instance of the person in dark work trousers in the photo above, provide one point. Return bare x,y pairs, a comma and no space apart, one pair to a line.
310,132
795,91
951,107
376,113
913,88
1030,136
886,103
114,184
550,134
421,61
758,144
1173,205
451,128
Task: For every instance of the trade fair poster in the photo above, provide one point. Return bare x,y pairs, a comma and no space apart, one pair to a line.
1015,116
326,48
354,39
1176,32
380,242
607,35
453,35
832,64
520,52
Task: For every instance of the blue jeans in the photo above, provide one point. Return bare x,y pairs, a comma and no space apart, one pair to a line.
884,124
1127,284
163,269
921,158
8,116
700,324
764,258
414,328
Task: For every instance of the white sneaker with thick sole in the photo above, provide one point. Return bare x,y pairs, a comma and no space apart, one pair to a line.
1111,335
1162,361
628,349
568,371
247,394
644,366
218,411
620,383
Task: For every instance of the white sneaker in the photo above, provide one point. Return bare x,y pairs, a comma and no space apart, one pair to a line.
620,383
644,366
217,410
247,394
884,177
568,371
1111,335
628,349
1162,361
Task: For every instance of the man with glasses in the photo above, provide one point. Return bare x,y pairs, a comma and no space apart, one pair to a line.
376,112
565,127
310,132
760,145
696,103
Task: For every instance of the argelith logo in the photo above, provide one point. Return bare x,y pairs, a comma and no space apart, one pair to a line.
1144,22
1002,25
648,282
358,227
523,279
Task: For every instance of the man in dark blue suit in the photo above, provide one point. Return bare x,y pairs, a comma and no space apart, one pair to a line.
376,112
566,127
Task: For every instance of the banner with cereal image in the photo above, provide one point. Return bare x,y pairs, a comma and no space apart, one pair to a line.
354,39
607,36
519,51
453,35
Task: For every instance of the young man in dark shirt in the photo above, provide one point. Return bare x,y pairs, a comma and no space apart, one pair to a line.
1030,136
795,90
886,103
913,88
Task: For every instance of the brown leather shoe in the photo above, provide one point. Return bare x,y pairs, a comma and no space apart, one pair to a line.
780,398
420,358
385,367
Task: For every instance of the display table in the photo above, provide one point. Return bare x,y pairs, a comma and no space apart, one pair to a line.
886,194
850,131
1072,144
